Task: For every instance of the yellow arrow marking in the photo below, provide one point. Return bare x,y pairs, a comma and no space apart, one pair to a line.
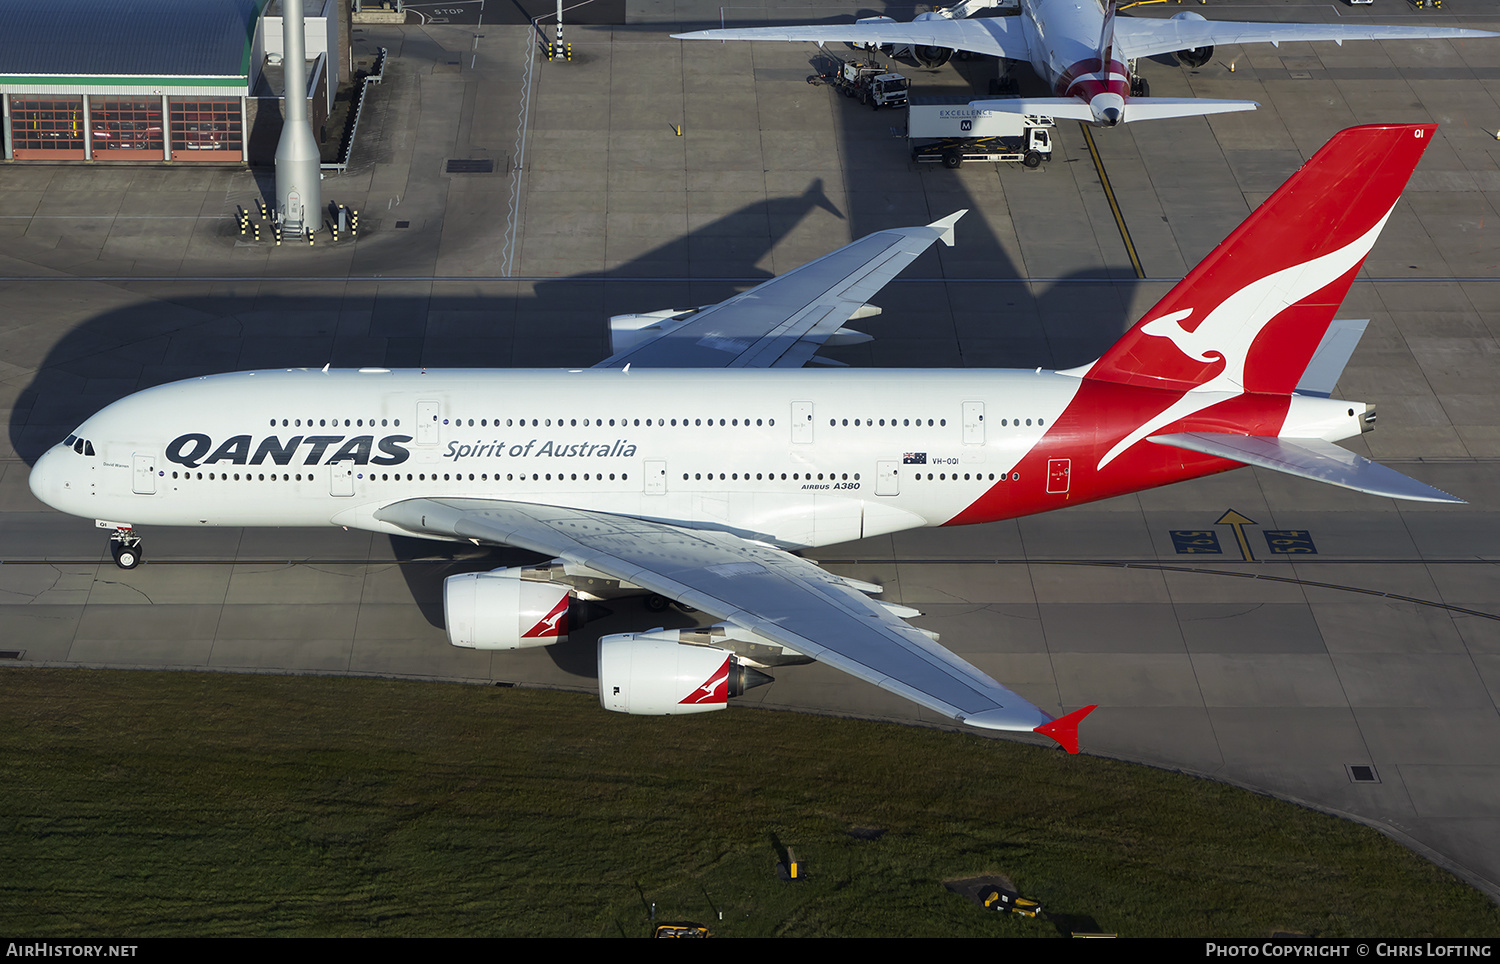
1233,518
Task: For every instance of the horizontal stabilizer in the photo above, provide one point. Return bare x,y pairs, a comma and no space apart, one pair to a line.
1136,109
1058,108
1309,458
1163,108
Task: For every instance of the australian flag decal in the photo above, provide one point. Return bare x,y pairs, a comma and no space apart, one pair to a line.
914,458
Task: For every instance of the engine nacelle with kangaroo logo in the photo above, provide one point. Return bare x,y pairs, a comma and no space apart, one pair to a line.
655,674
504,610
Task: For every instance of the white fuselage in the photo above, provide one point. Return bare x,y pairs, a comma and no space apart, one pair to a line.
796,457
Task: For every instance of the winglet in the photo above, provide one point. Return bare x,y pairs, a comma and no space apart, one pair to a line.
1064,729
946,226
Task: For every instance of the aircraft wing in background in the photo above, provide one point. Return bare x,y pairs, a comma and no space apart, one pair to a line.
1137,37
779,323
997,36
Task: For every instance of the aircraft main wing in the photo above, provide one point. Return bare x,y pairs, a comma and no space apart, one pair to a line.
996,36
1146,37
783,322
775,594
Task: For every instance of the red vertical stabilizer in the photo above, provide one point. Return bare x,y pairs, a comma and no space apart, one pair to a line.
1250,315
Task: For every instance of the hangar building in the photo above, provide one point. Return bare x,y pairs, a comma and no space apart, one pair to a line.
150,81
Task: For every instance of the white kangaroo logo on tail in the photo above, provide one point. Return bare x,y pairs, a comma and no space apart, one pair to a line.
1233,325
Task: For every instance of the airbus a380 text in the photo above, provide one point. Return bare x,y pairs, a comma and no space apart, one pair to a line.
691,461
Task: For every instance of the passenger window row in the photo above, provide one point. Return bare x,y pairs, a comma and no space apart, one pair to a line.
392,477
600,423
976,477
334,423
569,477
870,422
796,477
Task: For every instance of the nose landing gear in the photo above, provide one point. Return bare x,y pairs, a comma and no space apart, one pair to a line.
125,547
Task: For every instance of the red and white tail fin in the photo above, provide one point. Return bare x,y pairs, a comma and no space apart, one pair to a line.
1250,316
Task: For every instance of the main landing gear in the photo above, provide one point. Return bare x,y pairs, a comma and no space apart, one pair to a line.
125,547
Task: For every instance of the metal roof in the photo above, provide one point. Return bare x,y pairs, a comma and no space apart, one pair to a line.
121,38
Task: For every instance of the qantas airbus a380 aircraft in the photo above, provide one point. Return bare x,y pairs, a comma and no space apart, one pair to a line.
682,466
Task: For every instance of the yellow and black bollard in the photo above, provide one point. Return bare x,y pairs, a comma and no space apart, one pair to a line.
353,222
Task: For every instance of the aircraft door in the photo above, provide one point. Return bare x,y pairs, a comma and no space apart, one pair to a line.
887,477
802,422
656,477
341,479
1058,473
427,422
973,423
143,478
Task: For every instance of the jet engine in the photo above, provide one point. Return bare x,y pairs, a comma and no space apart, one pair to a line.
652,674
1193,56
504,610
931,57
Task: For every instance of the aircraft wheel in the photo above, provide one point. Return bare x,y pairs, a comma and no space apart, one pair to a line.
657,603
1032,159
126,557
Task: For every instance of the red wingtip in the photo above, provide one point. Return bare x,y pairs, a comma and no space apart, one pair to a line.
1064,729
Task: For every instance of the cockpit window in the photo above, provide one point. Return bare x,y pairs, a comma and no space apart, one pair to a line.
78,446
88,448
70,440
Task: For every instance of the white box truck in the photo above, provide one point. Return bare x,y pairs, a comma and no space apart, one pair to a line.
948,130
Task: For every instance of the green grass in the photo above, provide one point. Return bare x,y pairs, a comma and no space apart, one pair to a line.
154,804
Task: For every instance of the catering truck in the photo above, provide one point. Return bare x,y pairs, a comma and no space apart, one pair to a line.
948,130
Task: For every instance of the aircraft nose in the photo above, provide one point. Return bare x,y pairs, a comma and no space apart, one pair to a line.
47,478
